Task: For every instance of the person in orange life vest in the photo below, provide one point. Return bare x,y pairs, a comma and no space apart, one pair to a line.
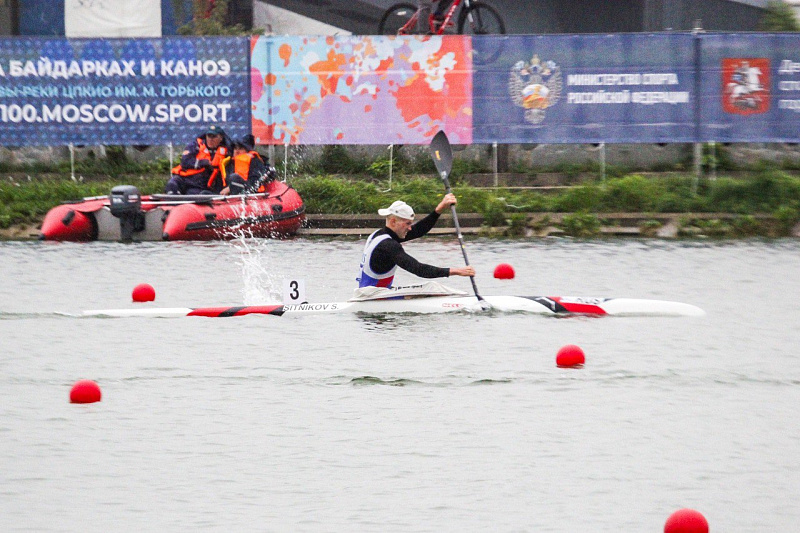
247,171
200,169
427,23
384,252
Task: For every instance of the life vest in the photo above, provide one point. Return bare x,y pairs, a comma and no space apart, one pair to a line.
204,153
368,278
241,166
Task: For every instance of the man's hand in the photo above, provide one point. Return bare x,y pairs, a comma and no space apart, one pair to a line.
448,200
463,271
204,163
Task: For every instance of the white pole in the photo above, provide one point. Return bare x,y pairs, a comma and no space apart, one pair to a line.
72,160
285,162
171,159
713,160
603,160
494,162
698,165
391,161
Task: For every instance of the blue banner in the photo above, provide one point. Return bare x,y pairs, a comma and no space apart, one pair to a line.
627,88
583,88
750,88
122,91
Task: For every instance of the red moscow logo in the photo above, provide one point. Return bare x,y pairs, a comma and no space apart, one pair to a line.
745,85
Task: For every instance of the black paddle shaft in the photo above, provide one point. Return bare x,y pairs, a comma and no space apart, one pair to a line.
443,159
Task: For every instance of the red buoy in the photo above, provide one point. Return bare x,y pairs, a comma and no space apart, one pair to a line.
570,356
686,521
144,293
504,271
85,391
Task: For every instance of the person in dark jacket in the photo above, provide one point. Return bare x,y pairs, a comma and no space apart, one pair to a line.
247,171
384,252
200,170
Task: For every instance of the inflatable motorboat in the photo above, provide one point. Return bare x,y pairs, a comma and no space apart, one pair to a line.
125,215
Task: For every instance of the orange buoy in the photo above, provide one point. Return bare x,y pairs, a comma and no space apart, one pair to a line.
686,521
85,391
570,356
144,293
504,271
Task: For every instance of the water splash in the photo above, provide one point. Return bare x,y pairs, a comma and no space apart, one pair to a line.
261,282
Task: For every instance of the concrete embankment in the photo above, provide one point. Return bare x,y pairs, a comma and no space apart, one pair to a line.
536,225
663,225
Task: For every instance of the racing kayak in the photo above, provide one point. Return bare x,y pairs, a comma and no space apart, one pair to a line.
542,305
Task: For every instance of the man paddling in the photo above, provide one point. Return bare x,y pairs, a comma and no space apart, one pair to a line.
384,252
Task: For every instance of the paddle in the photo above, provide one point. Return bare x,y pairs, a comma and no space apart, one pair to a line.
443,159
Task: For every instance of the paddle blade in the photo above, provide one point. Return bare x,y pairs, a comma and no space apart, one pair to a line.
442,154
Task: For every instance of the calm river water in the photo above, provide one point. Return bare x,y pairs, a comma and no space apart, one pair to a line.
399,423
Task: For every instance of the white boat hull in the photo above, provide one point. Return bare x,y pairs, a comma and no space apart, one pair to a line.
543,305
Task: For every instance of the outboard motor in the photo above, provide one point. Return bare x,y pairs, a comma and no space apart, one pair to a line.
125,203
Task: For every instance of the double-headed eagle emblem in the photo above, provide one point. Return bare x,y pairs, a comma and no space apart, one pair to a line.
535,86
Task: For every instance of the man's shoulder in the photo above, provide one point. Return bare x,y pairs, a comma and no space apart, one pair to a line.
386,240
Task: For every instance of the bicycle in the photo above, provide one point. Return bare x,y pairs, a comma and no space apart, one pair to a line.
475,18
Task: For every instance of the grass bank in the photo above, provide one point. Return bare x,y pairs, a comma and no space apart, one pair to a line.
772,192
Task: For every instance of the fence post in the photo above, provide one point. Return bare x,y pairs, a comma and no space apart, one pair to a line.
391,162
72,161
698,166
603,160
285,162
494,163
713,159
698,147
171,159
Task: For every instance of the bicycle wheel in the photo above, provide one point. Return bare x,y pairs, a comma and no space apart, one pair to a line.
397,18
480,19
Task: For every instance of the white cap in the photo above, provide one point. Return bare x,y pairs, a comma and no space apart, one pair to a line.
398,209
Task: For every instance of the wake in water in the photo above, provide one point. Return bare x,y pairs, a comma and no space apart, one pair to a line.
6,315
407,382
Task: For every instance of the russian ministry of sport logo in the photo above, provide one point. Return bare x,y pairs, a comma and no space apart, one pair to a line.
745,85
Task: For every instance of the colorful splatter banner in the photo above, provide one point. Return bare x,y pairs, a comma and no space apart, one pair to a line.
361,89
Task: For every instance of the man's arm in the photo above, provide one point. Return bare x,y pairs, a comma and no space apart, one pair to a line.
389,253
422,227
426,224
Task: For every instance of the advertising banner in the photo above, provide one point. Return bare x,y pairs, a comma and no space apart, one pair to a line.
628,88
122,91
750,88
361,89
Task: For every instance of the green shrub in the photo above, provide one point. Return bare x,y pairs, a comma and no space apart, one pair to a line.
631,193
715,228
766,192
335,159
746,226
581,224
778,16
331,195
649,228
494,213
381,167
786,217
517,224
581,198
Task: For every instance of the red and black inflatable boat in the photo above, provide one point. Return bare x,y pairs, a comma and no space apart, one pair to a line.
127,216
